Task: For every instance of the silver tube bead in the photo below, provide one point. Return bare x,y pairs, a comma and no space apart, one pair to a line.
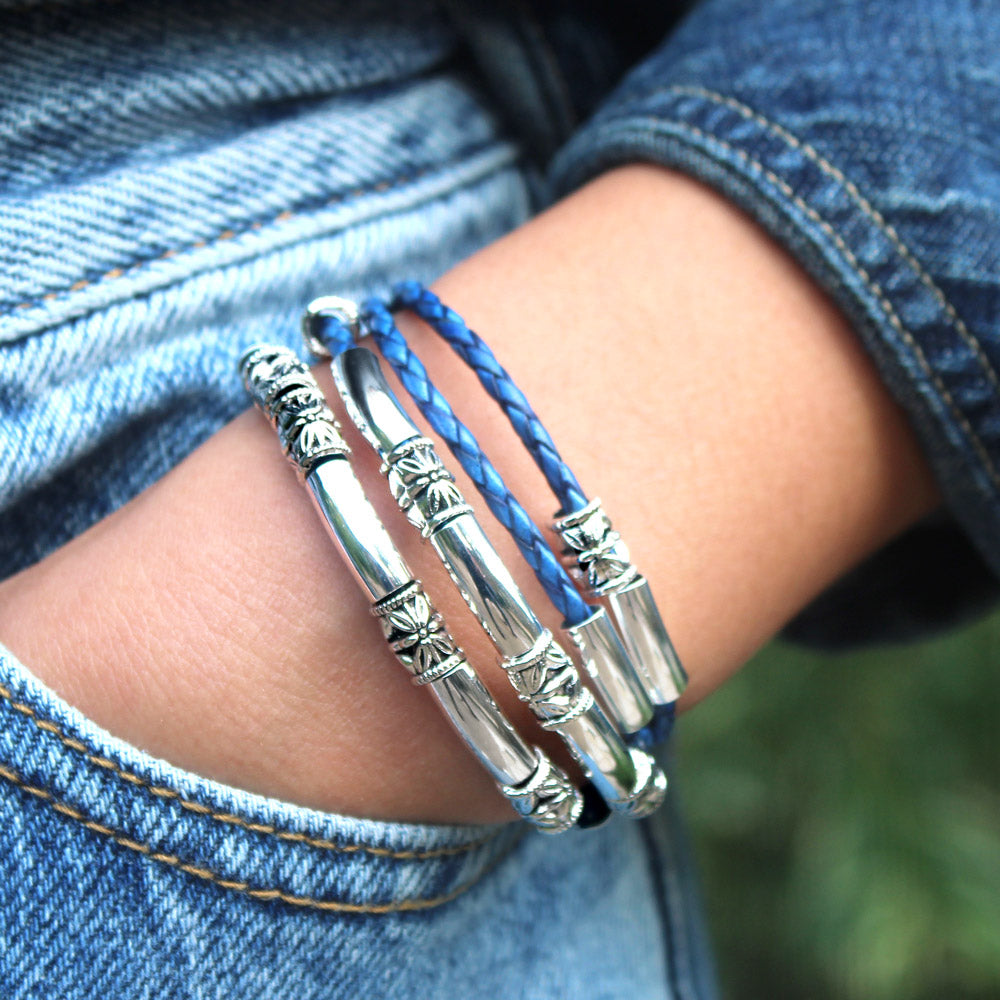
286,391
541,672
597,556
616,678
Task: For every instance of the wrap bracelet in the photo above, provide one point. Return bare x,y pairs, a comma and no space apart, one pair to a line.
621,653
285,390
641,703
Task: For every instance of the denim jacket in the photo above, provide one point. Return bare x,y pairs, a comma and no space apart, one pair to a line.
177,180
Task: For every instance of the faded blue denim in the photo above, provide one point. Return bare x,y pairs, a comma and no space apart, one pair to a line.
177,180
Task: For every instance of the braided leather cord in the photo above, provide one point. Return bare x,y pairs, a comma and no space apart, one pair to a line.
496,380
475,352
378,321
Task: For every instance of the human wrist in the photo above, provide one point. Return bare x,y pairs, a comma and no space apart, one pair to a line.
698,380
211,622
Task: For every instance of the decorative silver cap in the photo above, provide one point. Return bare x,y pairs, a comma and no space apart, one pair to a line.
547,799
417,635
422,486
595,552
284,388
599,558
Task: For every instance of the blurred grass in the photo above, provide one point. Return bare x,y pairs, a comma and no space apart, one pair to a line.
846,815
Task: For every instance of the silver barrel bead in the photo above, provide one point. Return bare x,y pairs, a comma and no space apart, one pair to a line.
599,558
285,390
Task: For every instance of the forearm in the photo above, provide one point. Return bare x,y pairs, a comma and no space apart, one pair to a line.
692,377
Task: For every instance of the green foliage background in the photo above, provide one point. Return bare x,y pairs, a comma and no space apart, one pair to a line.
846,816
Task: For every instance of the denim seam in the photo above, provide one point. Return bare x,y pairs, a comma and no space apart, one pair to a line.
654,865
226,234
162,792
380,187
862,202
873,286
676,907
245,888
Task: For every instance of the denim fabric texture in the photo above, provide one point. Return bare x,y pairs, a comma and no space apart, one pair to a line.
861,134
123,877
219,171
178,180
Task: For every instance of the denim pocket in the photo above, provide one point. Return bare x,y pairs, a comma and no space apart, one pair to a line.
238,842
123,876
105,845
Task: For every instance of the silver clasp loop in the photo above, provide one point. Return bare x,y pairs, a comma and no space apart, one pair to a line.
329,306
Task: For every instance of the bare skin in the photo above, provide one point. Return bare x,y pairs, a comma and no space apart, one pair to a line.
692,376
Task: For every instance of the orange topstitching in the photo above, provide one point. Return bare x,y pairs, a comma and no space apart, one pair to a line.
236,885
201,809
226,234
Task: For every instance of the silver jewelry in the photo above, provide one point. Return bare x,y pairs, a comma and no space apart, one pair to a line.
623,688
598,557
542,673
619,682
284,388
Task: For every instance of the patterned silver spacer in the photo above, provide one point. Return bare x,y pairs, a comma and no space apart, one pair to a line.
548,799
547,679
301,403
309,442
422,486
595,552
283,387
417,634
584,703
265,367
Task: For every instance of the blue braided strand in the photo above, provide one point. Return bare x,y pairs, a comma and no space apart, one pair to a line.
332,332
497,382
411,372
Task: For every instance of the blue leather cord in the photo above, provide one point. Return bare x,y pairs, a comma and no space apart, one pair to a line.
475,352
